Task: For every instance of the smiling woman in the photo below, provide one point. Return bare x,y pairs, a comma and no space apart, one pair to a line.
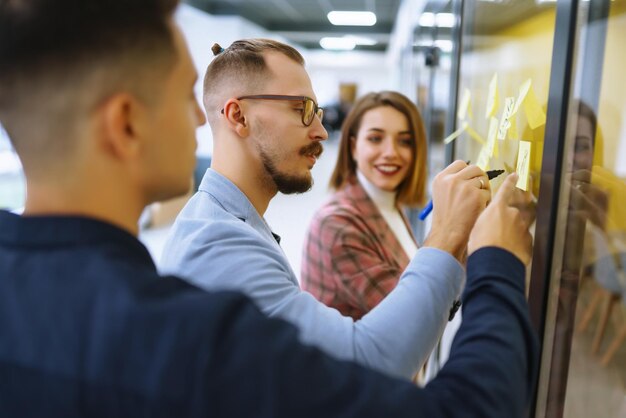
359,242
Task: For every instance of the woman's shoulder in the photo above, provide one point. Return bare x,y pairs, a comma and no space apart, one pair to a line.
345,201
344,210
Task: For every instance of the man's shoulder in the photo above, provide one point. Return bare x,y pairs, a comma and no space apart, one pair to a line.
206,206
204,222
222,252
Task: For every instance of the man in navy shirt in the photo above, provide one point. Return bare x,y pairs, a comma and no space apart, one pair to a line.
97,98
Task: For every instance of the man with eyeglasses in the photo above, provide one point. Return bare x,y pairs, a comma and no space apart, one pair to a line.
88,328
267,133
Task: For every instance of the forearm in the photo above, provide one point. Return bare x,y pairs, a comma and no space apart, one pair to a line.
403,329
495,353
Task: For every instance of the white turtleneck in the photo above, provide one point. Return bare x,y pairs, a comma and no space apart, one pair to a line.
386,203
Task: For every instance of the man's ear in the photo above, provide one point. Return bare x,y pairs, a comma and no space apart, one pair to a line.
236,118
122,120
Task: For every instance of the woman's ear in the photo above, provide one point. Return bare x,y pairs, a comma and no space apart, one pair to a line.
236,118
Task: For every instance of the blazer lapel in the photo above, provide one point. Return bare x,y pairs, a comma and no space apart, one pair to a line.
387,242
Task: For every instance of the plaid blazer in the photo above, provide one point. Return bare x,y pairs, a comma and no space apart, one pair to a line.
352,259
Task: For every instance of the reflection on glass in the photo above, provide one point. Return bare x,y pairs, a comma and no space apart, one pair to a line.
586,365
505,72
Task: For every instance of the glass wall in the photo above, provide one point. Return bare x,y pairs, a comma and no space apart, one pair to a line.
584,372
503,84
557,116
504,77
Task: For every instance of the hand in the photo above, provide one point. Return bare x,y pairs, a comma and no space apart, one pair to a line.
587,200
503,224
460,193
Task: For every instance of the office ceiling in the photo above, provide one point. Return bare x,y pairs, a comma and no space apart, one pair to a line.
304,22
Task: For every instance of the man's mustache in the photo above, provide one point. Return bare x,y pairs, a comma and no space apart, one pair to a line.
315,149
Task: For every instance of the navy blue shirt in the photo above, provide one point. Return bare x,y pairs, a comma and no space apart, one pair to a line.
88,328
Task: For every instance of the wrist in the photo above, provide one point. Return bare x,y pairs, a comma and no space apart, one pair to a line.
453,243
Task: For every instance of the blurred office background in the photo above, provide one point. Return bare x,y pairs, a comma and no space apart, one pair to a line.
445,55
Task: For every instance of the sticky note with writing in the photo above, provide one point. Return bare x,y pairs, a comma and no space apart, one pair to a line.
512,132
507,112
523,165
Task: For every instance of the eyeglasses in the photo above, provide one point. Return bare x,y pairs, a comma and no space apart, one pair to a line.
309,108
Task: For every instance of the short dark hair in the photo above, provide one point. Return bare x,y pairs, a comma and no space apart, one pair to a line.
243,62
412,190
71,48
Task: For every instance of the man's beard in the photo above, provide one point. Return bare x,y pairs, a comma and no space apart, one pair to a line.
289,184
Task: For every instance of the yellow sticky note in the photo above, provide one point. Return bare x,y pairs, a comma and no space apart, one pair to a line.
534,112
492,98
483,159
505,123
523,165
492,144
521,96
454,135
475,135
465,105
512,132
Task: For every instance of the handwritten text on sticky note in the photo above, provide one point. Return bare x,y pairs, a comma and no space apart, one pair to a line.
507,113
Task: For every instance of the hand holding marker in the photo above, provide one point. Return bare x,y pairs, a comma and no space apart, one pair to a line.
491,174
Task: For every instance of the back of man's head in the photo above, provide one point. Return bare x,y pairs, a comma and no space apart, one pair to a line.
239,70
59,59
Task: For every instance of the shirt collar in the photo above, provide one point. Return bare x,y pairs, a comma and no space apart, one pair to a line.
65,230
233,200
382,198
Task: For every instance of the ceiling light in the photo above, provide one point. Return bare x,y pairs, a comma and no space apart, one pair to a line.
427,19
352,18
442,20
338,44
